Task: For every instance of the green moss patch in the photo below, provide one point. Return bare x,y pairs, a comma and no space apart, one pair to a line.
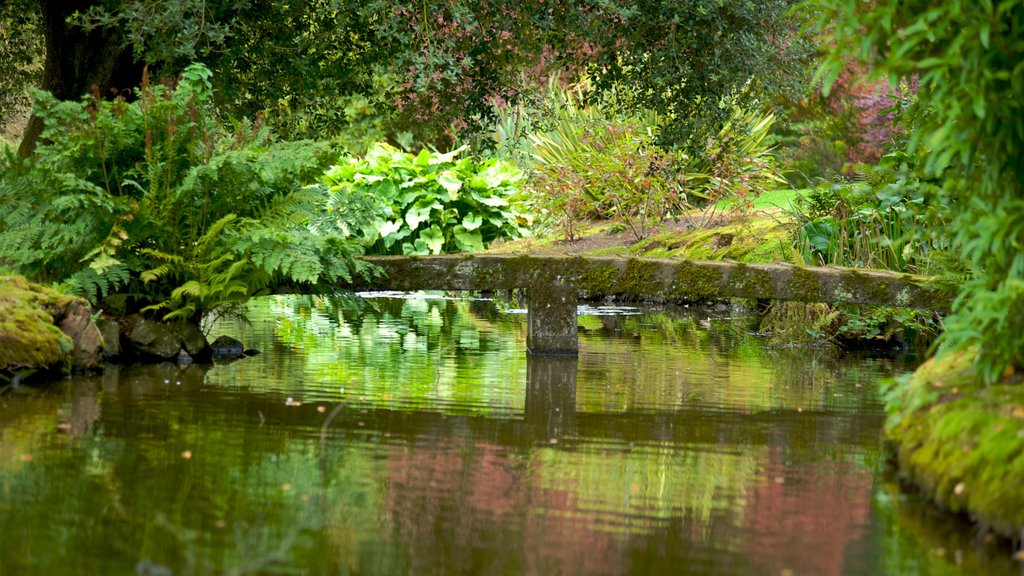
756,240
961,442
28,336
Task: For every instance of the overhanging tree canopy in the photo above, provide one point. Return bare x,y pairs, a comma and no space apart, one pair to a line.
323,64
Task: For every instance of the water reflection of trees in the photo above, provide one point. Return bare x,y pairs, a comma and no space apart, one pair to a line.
662,456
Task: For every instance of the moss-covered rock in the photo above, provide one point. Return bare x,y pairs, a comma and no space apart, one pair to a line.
42,329
961,442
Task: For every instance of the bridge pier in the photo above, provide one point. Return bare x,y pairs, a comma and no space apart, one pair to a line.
551,319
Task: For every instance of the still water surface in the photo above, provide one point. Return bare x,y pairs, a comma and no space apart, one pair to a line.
412,435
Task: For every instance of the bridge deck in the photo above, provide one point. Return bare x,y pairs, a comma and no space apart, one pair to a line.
554,283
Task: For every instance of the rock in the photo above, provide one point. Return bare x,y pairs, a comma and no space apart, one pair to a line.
225,347
31,335
251,352
78,325
111,332
193,341
151,338
184,358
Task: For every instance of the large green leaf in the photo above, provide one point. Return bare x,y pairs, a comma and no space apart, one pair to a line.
472,221
468,240
419,213
819,234
434,239
449,182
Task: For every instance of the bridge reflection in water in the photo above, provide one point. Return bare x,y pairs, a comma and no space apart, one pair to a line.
554,283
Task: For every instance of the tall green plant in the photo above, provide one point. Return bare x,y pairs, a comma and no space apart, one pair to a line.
427,203
156,205
967,126
594,160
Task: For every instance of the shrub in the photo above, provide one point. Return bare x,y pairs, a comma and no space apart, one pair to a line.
890,217
427,203
594,161
155,205
967,126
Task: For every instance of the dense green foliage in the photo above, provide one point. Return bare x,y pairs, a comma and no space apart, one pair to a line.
427,203
601,158
888,217
598,160
968,128
383,67
156,205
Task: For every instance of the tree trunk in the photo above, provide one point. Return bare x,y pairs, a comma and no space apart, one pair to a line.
79,62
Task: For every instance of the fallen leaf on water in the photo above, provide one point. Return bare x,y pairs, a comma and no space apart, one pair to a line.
27,457
220,524
1018,411
553,441
305,497
634,488
1008,373
959,488
64,426
291,402
286,487
187,454
321,409
387,396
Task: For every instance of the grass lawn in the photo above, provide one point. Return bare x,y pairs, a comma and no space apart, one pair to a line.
782,198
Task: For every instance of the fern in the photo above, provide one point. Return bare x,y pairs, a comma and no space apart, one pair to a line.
156,206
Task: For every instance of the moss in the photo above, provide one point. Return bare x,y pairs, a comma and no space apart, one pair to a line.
598,278
758,240
28,336
637,279
751,281
697,282
961,442
805,286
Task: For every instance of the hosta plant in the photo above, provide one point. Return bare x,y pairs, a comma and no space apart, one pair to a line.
427,203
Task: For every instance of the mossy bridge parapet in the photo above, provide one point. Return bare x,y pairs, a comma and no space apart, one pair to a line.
554,284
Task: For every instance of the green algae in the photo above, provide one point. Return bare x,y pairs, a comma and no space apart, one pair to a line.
28,336
961,442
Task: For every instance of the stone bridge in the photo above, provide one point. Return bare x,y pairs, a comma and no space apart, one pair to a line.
554,284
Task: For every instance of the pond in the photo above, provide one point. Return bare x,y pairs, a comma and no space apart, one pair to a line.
411,434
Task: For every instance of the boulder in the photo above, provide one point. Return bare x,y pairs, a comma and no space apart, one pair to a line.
226,347
113,347
42,329
193,341
78,325
153,339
